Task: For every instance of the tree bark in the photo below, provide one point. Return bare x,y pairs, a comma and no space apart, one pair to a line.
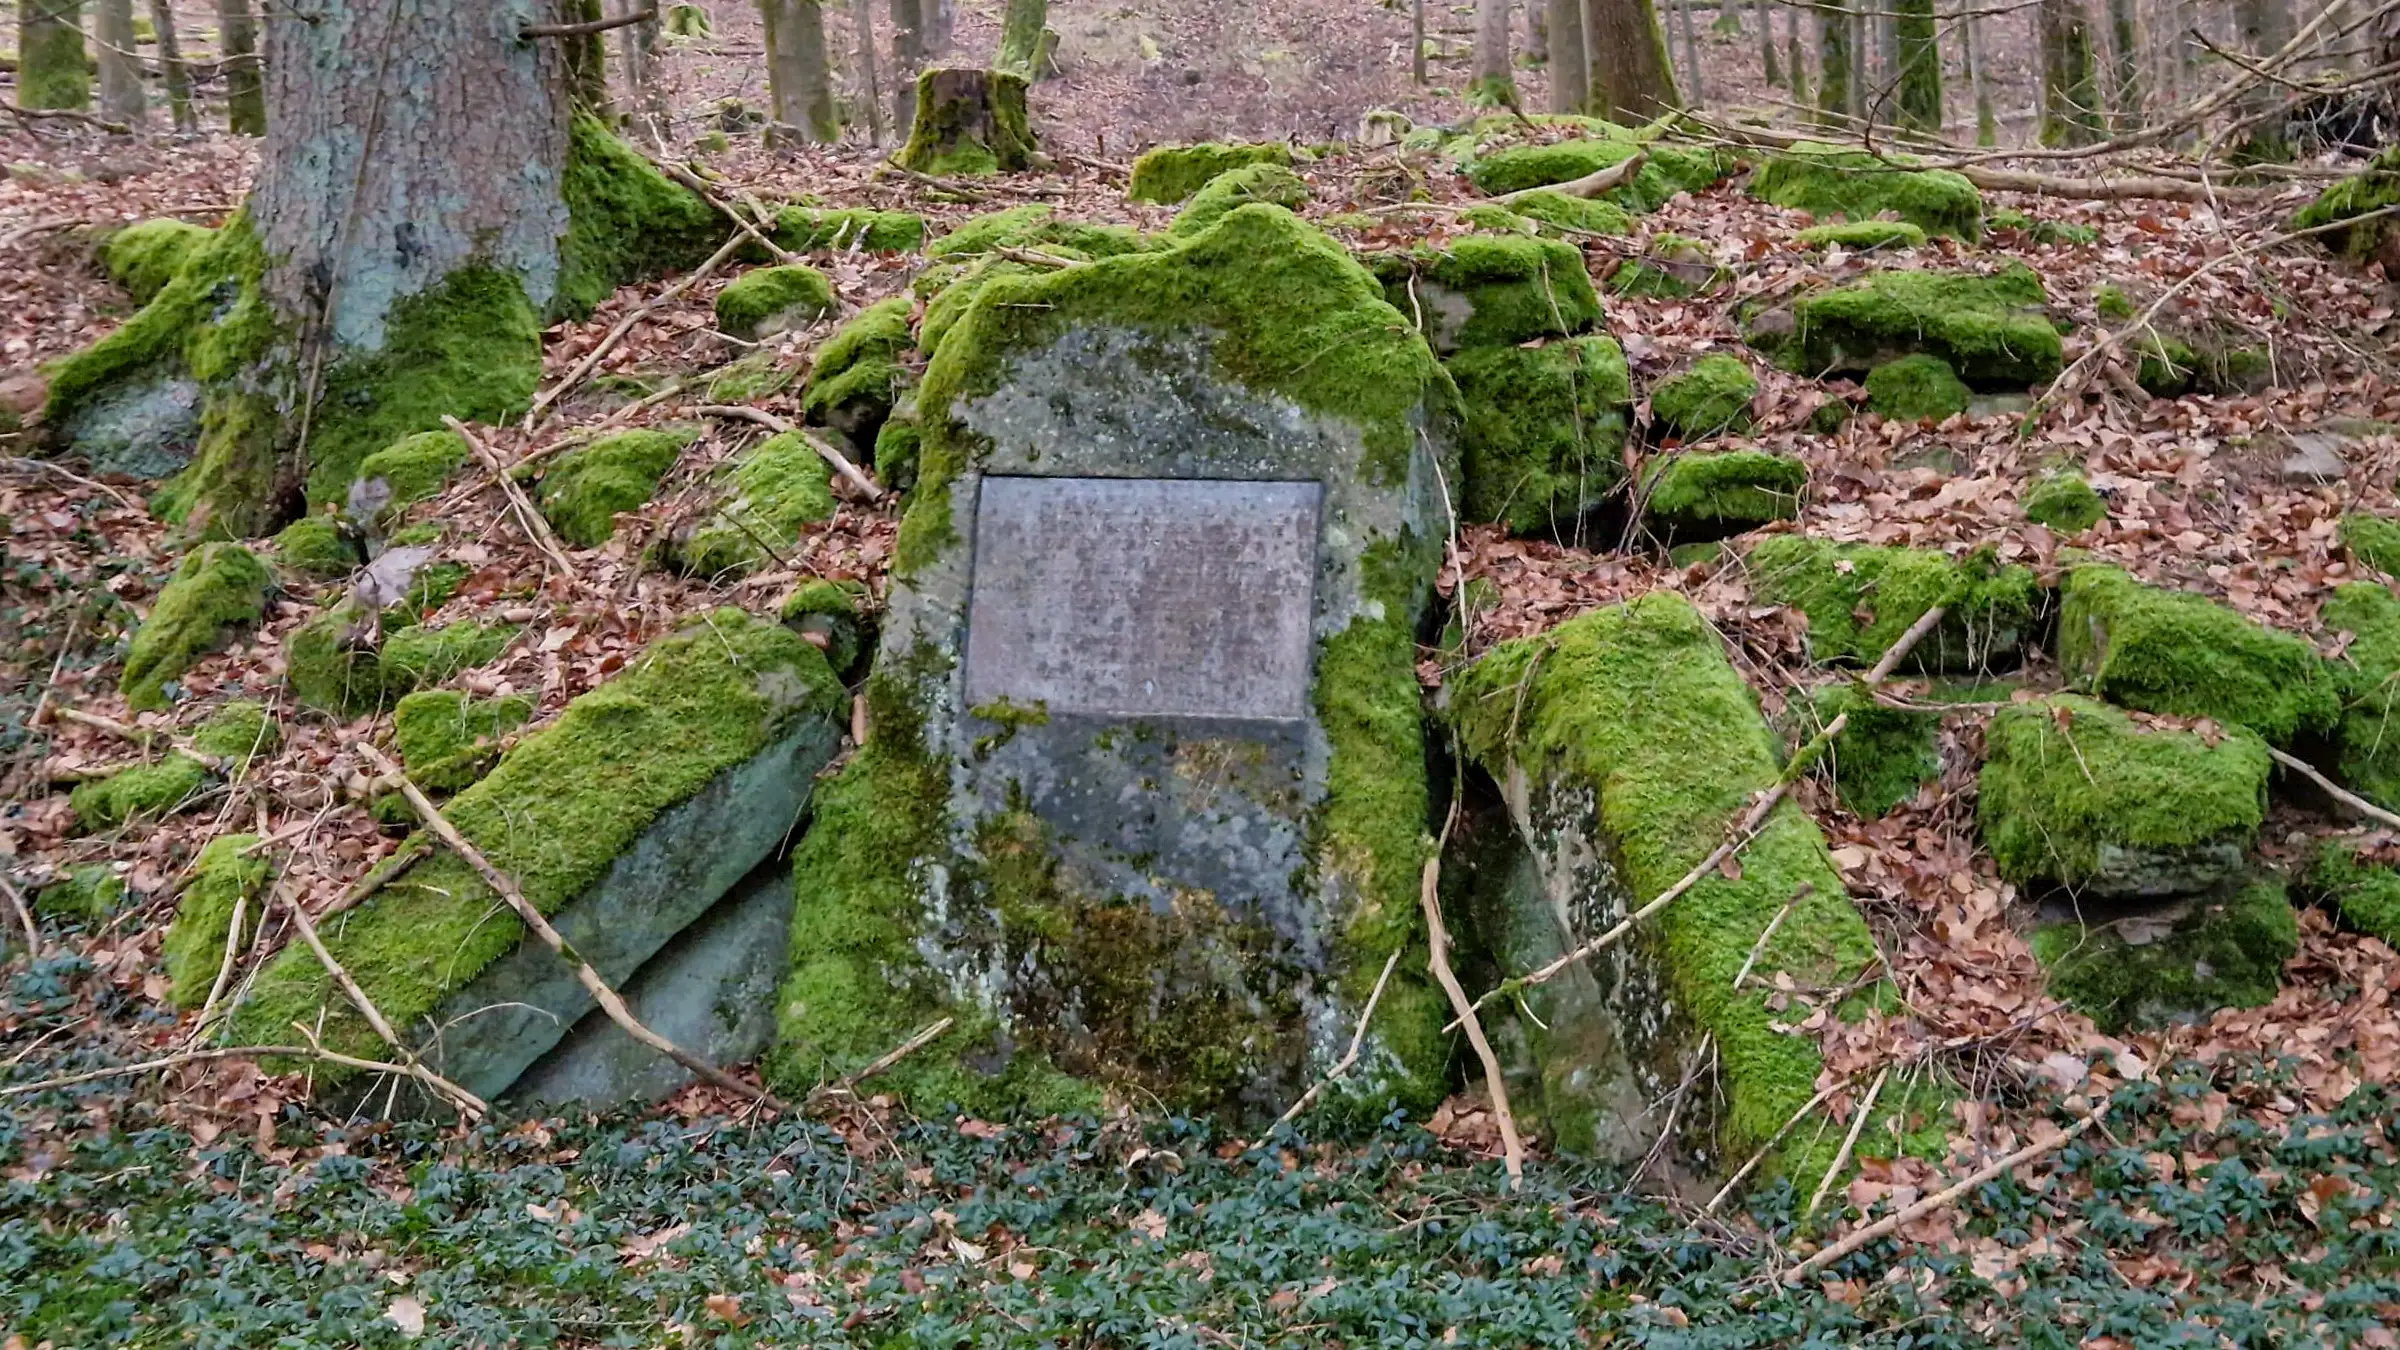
587,58
1919,69
1860,78
908,59
863,18
1570,75
2261,28
799,78
1626,52
1416,32
1025,39
1770,60
121,98
177,75
51,68
2125,41
1970,42
245,82
2070,82
637,49
1691,52
1537,32
1795,65
968,122
1495,77
941,27
1834,64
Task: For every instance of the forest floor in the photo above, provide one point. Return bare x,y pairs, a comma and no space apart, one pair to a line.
2241,1192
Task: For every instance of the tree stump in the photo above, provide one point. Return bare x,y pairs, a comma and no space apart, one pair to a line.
969,122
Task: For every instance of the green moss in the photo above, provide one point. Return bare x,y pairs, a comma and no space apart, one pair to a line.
2111,303
1639,702
1491,290
86,894
1710,399
1237,188
420,655
769,497
332,662
1542,430
772,299
1667,171
447,740
1670,268
2064,232
1883,755
142,792
218,590
53,70
143,258
806,229
858,375
750,379
1575,215
2223,951
896,446
1917,388
2372,542
625,221
1859,187
412,469
969,123
1290,312
314,546
237,733
583,491
2065,502
1862,236
686,21
2361,885
1174,173
827,614
2185,656
1993,329
1860,599
2368,676
1034,226
1693,495
2364,193
195,944
554,815
2075,791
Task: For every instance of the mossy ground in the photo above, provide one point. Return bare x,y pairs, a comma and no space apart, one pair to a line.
1860,599
1507,288
1035,225
195,943
1860,187
1710,399
2064,501
829,615
2184,655
2225,951
1171,174
858,376
1917,388
1268,182
232,735
584,491
2370,190
807,229
554,815
1883,755
447,739
218,590
2069,784
314,546
969,124
2371,542
332,661
770,495
1861,236
1698,495
1993,329
2362,887
144,257
406,472
771,299
1554,212
1668,170
85,895
2368,675
1543,430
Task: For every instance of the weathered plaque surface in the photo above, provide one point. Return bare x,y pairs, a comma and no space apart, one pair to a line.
1144,597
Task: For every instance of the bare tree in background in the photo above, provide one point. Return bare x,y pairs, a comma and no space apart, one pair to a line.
1570,75
120,64
50,61
1836,62
245,81
799,78
1970,45
637,50
1918,68
1495,83
175,74
2261,28
862,14
587,58
1769,59
1691,51
1626,51
1416,31
1795,65
1024,38
2125,50
2070,78
909,55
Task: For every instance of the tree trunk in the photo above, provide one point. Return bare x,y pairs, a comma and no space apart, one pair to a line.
968,123
1416,30
1833,64
1495,76
908,58
1795,65
799,79
121,97
587,58
171,67
2261,28
863,18
51,66
1860,79
1970,42
1919,71
941,25
1570,76
637,49
1769,59
1537,32
2070,83
2125,41
1627,56
1025,39
245,82
1691,52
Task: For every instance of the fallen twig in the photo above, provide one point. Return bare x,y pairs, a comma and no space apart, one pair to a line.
1437,942
850,472
45,466
587,28
2335,790
216,987
138,735
175,1061
536,528
608,341
700,188
848,1084
1724,1192
1358,1038
1841,1157
1590,185
33,932
467,1102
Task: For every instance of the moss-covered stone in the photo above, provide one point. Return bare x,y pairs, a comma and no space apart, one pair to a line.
447,739
85,895
1883,755
218,590
1669,267
1543,430
406,472
1637,745
583,491
2065,502
1917,388
767,498
2371,542
143,258
769,300
1860,599
1667,170
2184,655
314,546
2078,793
858,375
755,376
343,661
1857,186
1034,226
1712,398
232,736
1170,174
1237,188
2359,881
1491,290
625,221
896,444
2368,675
1695,495
2152,970
195,944
557,813
827,614
807,229
2362,194
969,123
1556,212
1993,329
1864,236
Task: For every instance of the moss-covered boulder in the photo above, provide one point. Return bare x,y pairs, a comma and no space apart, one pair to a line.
830,616
1993,329
409,470
143,258
314,546
807,229
1666,169
2078,793
1863,236
447,739
1491,290
1170,174
231,737
859,373
1712,398
897,442
1693,496
2184,655
2174,964
760,510
348,660
1237,188
2367,739
623,820
1543,431
1860,187
1034,226
582,492
1917,388
1860,599
769,300
1553,213
2064,501
755,376
1883,755
218,590
1066,850
1627,745
2373,189
2371,542
2359,880
227,872
969,123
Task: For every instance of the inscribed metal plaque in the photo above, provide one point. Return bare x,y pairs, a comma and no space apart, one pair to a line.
1144,597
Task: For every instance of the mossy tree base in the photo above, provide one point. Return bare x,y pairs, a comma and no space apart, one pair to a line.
969,123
